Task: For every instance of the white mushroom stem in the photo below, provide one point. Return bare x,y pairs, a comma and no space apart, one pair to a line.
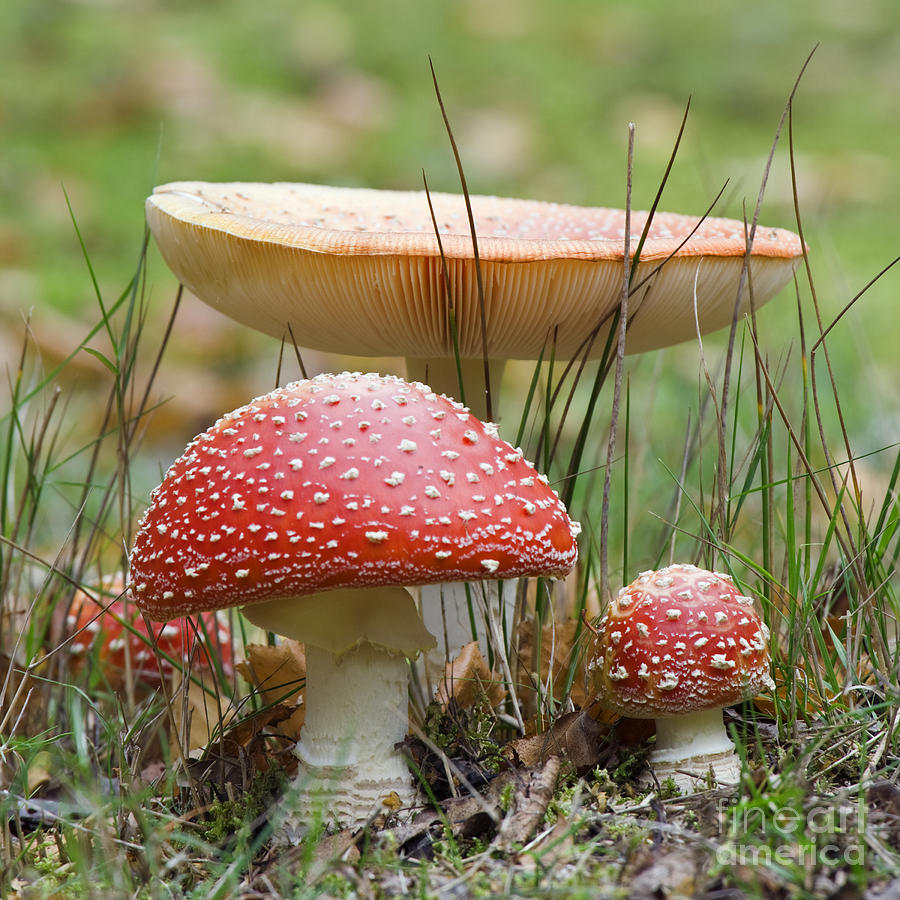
357,683
356,712
692,746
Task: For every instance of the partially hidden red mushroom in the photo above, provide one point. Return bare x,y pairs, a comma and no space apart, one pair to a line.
116,637
314,507
678,645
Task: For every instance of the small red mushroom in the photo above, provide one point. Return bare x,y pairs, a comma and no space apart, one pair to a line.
677,645
126,644
314,507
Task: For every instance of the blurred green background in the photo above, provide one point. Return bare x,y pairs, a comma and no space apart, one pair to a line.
103,98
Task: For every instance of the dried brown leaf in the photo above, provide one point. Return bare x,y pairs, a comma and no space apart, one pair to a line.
533,792
575,736
671,875
469,681
279,675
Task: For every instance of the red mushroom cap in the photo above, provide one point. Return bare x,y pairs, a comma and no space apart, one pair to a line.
679,640
343,481
183,643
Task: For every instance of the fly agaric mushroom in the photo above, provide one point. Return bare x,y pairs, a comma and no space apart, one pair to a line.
677,645
126,644
313,506
359,271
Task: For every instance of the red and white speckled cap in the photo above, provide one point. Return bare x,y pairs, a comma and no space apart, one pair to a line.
122,641
344,480
679,640
358,271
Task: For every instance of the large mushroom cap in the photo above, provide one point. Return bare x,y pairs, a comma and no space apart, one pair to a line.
358,271
343,481
676,641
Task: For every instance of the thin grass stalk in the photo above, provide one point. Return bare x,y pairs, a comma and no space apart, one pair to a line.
806,431
626,480
676,501
448,296
743,283
546,442
478,276
529,399
577,373
297,355
764,429
821,342
583,352
620,366
581,439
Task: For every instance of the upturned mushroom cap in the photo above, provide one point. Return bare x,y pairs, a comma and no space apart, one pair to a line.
679,640
358,271
343,481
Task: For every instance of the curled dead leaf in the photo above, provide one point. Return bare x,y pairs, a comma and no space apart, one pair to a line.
575,736
533,792
468,681
279,675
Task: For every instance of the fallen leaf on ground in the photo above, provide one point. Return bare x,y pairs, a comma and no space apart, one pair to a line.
469,681
671,875
532,794
279,675
575,736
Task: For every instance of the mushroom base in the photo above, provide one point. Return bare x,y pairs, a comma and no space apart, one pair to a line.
693,750
355,715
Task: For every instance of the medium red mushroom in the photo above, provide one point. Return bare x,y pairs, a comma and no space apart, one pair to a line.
677,645
313,507
117,636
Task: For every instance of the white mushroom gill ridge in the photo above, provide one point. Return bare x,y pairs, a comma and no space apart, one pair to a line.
363,480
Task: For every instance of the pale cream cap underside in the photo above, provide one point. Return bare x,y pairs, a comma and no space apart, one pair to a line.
358,271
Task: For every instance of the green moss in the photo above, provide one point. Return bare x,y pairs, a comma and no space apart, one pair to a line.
228,817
